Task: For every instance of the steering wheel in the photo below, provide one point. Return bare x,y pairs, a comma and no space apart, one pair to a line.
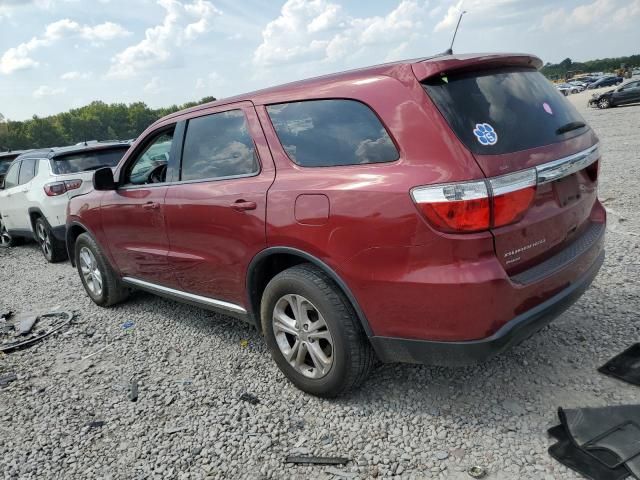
158,174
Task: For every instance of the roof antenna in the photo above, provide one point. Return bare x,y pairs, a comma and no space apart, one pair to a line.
450,51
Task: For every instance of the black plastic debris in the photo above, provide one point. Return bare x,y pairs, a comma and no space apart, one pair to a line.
250,398
571,456
96,424
44,325
625,367
311,460
7,378
133,390
6,315
599,443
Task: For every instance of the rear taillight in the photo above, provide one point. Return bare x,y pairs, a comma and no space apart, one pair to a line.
476,206
58,188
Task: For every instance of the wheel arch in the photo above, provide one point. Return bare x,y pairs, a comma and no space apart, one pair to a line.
74,230
273,260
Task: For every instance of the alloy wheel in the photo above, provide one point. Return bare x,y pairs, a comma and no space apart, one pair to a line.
5,237
604,103
90,271
44,239
303,336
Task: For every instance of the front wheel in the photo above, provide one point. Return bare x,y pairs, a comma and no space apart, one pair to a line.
101,283
53,249
313,332
604,103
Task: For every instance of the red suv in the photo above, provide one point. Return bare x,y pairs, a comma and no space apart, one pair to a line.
434,211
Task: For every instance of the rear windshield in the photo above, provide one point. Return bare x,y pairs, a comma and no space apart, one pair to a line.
504,111
86,161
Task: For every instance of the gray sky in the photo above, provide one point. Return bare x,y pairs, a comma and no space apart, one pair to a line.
60,54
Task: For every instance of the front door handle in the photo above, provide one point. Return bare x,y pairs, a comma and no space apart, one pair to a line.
151,206
243,206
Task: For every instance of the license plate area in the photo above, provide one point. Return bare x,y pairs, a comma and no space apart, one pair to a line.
567,190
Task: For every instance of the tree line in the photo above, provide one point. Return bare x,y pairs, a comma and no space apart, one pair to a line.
556,71
96,121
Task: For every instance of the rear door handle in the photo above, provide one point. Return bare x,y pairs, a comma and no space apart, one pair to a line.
151,206
243,206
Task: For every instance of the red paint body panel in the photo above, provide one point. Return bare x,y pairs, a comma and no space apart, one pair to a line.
410,280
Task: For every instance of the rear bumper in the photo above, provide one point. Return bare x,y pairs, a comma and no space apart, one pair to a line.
390,349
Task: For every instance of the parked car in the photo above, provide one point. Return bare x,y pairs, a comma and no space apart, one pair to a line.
37,188
579,86
564,89
623,95
636,72
5,161
606,82
422,211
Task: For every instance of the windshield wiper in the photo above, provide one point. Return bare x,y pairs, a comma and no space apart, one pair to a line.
94,168
570,126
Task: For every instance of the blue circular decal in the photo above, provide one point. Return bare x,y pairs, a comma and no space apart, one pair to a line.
485,134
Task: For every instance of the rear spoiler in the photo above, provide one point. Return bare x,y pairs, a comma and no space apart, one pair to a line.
445,64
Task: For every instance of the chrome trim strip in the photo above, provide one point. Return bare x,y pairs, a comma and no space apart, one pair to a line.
566,166
187,296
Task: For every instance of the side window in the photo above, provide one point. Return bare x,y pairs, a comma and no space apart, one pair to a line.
27,171
11,180
151,165
218,146
327,133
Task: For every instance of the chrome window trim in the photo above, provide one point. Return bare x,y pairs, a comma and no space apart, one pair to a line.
563,167
187,296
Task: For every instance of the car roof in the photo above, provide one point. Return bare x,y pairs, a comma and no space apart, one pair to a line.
423,67
72,149
11,154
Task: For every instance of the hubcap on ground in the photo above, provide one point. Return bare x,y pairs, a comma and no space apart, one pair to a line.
90,271
44,239
303,336
5,238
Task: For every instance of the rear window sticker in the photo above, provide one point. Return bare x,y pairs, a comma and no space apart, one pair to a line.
485,134
547,108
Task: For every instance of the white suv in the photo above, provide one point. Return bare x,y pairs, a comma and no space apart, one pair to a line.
37,189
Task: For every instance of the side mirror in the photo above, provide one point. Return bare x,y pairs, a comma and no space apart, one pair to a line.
103,179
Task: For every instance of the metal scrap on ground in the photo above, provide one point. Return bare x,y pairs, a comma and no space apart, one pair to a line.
44,324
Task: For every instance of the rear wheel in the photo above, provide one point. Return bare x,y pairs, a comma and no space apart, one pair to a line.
604,103
313,333
101,283
53,249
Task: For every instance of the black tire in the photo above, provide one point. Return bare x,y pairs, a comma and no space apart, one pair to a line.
112,290
54,250
6,239
351,352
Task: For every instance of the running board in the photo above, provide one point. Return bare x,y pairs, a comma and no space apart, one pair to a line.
184,296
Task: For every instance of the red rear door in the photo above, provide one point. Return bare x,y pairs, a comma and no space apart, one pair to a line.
216,213
514,120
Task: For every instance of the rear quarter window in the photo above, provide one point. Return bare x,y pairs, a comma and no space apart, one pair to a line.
503,111
327,133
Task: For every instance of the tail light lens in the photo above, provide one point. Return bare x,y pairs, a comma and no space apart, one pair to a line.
476,206
58,188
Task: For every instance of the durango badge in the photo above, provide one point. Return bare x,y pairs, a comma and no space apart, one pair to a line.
485,134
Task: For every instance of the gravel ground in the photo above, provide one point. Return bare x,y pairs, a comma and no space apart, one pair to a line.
408,421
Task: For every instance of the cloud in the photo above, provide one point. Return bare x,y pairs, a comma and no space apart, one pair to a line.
182,23
75,76
46,91
154,86
319,30
19,58
601,14
479,8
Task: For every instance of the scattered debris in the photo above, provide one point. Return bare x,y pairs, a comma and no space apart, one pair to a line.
340,473
133,390
96,352
172,430
96,424
308,459
46,323
6,315
6,379
248,397
477,472
442,455
90,331
127,325
625,366
24,322
244,343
